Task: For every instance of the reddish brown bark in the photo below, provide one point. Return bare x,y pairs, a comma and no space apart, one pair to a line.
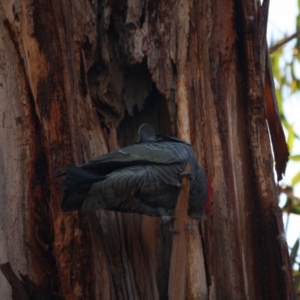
78,78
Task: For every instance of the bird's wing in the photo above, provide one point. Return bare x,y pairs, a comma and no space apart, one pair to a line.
163,138
144,153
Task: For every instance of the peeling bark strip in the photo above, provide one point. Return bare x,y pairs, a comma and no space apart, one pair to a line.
187,278
178,266
269,221
280,148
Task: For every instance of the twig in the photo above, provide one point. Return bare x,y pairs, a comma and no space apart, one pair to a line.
284,41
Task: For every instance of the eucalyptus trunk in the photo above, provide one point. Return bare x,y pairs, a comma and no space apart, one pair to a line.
77,78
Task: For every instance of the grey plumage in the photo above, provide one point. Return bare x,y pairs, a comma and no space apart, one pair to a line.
142,178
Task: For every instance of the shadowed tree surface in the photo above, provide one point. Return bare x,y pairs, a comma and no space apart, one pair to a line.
77,79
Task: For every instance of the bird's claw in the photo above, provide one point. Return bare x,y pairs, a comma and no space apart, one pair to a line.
173,230
176,184
170,219
188,174
167,219
179,185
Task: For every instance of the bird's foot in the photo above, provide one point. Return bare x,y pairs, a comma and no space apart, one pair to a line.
178,184
172,229
170,219
167,219
182,174
188,174
164,215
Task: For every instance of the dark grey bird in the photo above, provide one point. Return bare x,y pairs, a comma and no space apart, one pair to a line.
142,178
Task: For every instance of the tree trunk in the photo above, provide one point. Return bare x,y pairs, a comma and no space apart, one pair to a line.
77,79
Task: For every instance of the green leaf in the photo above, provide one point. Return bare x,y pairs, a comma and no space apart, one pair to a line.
291,137
295,81
279,101
285,122
296,179
296,275
295,210
295,157
275,57
297,283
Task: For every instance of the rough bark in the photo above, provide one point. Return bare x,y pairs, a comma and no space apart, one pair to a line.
77,79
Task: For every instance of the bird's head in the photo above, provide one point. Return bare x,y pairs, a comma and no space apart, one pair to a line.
207,207
146,134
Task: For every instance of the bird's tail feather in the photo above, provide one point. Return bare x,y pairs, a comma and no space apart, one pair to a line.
76,186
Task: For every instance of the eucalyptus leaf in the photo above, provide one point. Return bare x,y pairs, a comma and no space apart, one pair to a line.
295,210
295,157
296,179
291,137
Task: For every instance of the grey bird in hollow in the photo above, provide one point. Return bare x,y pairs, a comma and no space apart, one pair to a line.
143,178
